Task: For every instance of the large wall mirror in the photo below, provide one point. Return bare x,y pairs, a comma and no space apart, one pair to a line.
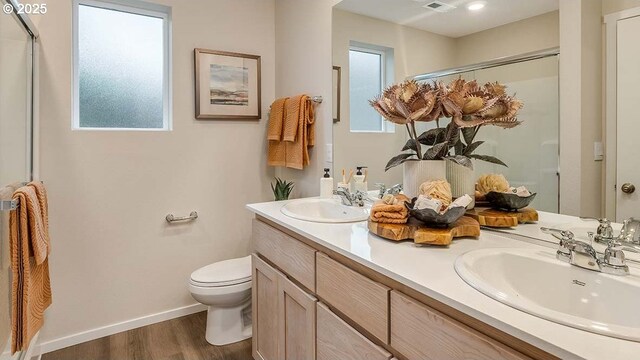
377,43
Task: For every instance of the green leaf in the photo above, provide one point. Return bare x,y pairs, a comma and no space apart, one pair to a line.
461,160
472,147
488,158
468,134
397,160
458,148
431,136
282,189
410,145
452,134
436,152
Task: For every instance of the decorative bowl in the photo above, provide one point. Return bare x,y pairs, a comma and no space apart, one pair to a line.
434,218
508,201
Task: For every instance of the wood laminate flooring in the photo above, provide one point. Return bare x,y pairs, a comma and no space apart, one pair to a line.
177,339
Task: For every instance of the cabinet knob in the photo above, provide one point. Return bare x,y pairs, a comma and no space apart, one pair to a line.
628,188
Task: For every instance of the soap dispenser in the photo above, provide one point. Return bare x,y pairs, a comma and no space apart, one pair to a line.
360,179
326,185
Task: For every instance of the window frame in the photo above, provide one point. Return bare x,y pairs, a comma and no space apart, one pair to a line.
135,7
386,126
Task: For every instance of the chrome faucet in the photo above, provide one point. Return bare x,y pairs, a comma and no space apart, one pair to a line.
582,254
629,237
349,199
383,190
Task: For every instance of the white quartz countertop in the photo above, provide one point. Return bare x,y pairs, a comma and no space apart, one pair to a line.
430,270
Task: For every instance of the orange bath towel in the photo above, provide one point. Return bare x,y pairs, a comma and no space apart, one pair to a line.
30,247
276,151
297,132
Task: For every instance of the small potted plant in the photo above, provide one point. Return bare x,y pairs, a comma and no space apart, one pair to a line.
282,189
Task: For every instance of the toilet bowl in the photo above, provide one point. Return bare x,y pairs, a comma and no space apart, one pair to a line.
225,287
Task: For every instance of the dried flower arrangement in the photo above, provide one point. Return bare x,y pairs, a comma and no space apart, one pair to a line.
469,106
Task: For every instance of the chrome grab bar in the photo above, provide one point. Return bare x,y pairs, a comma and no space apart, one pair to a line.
171,218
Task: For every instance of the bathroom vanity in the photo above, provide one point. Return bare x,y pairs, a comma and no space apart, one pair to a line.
334,291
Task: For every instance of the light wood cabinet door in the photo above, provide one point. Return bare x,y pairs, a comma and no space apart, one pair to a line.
359,298
265,307
419,332
288,254
297,322
337,340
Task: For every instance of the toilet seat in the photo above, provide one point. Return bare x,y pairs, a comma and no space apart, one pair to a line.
223,273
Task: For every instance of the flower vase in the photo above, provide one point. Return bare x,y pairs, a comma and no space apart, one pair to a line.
415,172
462,180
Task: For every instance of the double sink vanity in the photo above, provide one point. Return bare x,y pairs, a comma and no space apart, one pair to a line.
325,288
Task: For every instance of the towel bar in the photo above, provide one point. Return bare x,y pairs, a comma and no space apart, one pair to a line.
171,218
8,205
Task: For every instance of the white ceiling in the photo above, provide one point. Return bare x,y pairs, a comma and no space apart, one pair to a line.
458,22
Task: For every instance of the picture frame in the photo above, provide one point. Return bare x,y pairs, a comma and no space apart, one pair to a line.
336,78
227,85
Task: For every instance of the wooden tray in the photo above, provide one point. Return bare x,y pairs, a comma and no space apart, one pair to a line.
502,218
421,234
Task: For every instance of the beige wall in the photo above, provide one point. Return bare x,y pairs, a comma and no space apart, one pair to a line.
532,34
303,50
415,52
114,258
611,6
580,106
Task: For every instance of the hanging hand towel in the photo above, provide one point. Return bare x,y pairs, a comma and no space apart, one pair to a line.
276,147
30,286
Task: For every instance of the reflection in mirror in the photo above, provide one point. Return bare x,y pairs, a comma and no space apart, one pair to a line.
381,42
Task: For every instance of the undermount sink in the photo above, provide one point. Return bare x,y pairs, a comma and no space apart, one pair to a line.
535,282
325,211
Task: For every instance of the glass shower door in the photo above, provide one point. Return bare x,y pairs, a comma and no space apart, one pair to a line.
16,72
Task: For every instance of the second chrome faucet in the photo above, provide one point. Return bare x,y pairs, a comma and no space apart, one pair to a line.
582,254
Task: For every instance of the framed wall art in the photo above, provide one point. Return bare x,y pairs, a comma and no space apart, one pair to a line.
227,85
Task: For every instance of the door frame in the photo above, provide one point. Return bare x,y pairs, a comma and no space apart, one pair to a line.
611,121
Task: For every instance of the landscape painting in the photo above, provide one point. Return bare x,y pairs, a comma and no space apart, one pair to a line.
229,85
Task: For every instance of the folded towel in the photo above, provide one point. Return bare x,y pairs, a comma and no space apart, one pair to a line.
276,149
291,132
390,213
30,286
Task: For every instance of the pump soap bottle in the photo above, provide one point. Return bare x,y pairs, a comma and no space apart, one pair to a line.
326,185
360,179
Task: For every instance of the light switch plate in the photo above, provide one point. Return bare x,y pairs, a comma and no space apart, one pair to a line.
598,151
328,154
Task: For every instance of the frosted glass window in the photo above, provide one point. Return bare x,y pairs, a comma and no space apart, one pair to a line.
366,73
121,67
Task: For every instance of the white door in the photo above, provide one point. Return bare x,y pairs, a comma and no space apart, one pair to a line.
628,119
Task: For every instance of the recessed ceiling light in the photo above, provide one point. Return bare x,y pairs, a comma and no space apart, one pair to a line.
476,5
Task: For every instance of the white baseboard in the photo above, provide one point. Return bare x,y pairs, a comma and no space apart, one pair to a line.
103,331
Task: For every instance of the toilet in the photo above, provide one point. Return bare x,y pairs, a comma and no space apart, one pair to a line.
225,287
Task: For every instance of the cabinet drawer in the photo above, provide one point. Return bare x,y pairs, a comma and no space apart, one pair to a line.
364,301
421,333
290,255
337,340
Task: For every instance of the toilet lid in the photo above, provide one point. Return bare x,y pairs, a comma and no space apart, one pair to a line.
223,273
